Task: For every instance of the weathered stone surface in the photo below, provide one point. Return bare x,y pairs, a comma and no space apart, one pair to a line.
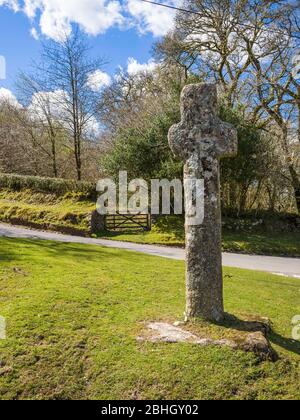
201,140
255,342
258,344
167,333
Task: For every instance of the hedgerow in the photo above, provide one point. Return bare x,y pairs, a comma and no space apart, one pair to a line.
55,186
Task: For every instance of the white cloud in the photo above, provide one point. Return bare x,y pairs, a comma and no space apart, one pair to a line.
55,104
56,16
2,68
93,128
34,34
151,18
134,67
6,96
13,4
95,16
98,80
47,103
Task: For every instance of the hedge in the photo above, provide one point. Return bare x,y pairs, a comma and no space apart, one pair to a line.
55,186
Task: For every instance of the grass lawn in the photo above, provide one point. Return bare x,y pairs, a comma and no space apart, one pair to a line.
170,231
73,314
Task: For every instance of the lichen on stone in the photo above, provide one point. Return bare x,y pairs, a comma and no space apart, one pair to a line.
200,140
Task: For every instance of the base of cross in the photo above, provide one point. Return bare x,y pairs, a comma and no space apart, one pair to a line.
247,335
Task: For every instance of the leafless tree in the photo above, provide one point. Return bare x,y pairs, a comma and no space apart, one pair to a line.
66,69
40,118
276,88
247,47
135,99
19,153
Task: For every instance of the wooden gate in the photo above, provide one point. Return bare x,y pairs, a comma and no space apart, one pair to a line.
119,222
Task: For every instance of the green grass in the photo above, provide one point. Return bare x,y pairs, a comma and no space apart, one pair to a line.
73,314
170,231
69,213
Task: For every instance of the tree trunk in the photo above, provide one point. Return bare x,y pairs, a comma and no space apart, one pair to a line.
296,186
233,196
258,190
293,172
79,174
77,150
54,163
243,198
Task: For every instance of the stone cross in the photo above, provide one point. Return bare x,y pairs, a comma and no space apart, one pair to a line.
201,139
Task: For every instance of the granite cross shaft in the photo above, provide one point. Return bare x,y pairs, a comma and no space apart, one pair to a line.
200,140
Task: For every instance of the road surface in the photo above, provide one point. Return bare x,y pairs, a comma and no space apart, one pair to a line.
276,265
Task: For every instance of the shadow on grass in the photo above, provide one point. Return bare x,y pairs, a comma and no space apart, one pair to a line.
259,324
79,252
262,243
12,250
286,343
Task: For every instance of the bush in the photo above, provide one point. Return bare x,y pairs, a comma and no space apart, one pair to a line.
58,187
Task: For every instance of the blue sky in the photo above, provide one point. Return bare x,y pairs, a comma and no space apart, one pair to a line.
16,44
118,30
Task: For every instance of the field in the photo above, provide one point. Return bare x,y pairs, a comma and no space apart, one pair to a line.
74,312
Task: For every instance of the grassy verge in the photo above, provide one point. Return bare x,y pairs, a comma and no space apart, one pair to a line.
170,232
73,314
69,213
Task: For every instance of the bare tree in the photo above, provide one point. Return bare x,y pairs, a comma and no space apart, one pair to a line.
135,99
19,152
67,69
277,89
40,117
247,47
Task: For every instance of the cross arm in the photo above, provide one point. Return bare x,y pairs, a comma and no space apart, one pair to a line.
177,139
